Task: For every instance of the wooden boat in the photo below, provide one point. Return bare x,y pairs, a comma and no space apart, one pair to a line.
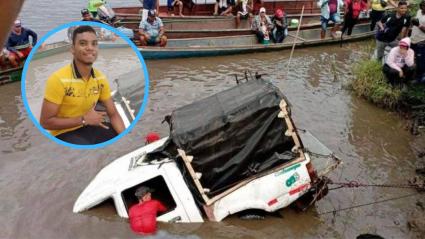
10,74
217,46
209,20
206,8
200,33
214,23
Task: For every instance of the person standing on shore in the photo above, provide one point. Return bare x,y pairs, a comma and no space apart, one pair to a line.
378,10
418,42
390,27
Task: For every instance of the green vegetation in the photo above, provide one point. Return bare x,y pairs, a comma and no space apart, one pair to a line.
370,83
413,7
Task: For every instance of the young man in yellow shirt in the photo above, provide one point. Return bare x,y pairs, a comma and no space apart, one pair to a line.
68,109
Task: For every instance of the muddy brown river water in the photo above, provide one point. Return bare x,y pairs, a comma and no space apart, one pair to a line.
40,180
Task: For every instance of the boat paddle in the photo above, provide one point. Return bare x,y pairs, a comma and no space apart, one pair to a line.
296,37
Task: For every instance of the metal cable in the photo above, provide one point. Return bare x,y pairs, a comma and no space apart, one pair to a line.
367,204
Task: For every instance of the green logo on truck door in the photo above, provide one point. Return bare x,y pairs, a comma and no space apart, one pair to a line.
285,170
291,180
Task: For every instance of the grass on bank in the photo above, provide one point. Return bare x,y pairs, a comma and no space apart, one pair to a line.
369,82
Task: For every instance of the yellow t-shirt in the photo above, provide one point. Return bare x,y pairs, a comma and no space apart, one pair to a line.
74,95
376,5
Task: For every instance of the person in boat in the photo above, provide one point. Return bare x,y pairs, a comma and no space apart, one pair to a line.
71,94
245,9
399,65
418,42
329,11
171,4
378,10
390,27
93,5
151,31
19,44
280,26
86,16
352,13
142,216
147,6
4,58
7,16
262,26
224,7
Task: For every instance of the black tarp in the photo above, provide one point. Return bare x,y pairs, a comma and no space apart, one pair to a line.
231,135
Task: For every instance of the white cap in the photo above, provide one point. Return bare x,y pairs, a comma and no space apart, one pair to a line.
262,10
17,22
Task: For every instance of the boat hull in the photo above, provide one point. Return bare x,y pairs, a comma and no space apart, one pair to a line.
10,75
204,8
217,46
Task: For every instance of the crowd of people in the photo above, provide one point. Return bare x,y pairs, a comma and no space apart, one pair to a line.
404,63
389,28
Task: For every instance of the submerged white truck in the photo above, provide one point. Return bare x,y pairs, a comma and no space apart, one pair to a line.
236,150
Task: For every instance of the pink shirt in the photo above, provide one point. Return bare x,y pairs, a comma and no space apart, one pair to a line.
332,6
396,61
356,7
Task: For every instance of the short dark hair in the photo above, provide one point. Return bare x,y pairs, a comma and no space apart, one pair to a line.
402,2
81,29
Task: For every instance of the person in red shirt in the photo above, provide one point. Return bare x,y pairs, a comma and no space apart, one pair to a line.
142,216
352,12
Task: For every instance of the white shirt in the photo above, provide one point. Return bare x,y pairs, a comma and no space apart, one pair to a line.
417,34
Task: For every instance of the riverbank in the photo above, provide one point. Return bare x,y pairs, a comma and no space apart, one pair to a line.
369,82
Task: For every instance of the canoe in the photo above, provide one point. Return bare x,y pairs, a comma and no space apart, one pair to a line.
192,22
217,46
10,74
200,33
206,8
213,23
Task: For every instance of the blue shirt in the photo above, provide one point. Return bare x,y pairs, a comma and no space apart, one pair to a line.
16,42
149,4
151,28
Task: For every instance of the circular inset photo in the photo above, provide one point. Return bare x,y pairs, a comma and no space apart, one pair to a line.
85,85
